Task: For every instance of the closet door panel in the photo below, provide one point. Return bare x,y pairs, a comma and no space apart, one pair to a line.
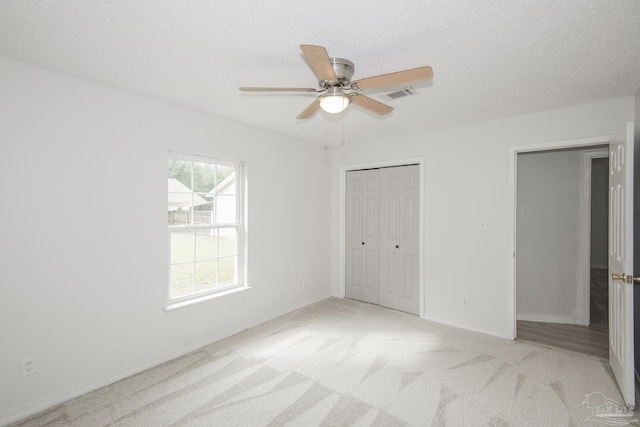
399,207
370,239
353,234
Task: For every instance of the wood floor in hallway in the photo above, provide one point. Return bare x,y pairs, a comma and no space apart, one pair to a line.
583,339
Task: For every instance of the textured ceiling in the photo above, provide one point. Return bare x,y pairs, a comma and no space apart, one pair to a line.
490,58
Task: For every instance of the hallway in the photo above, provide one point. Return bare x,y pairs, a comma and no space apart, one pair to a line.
583,339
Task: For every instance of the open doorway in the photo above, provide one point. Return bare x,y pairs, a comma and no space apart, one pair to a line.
561,242
620,247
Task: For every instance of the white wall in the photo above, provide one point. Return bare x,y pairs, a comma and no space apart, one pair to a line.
465,184
549,202
83,269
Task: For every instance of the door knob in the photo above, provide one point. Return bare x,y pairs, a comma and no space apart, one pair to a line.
628,279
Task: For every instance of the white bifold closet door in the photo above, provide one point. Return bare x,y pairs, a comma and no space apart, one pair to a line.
399,246
381,228
362,281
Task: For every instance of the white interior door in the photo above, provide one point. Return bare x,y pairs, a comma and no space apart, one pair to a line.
361,231
621,262
399,246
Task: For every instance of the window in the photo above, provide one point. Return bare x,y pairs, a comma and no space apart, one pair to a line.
205,226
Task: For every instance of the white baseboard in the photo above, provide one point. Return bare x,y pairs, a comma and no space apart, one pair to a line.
460,325
548,318
56,398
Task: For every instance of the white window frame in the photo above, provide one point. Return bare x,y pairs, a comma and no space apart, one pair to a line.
239,226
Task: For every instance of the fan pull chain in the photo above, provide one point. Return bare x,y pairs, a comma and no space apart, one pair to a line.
343,143
326,141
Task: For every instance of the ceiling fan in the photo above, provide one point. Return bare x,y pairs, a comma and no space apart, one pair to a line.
335,85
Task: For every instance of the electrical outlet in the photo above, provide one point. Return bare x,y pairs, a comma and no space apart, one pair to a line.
28,366
465,301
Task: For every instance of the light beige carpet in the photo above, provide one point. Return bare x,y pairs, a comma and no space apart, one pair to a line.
347,363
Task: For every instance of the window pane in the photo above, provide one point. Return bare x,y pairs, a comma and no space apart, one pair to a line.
180,198
226,182
182,246
226,209
227,271
205,275
181,280
180,171
203,216
179,217
206,244
228,241
204,177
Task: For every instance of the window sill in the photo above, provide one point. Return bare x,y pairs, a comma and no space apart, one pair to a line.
181,304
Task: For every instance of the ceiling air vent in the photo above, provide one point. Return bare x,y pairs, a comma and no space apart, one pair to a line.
408,91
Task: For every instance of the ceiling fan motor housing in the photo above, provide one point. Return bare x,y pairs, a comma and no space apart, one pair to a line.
344,70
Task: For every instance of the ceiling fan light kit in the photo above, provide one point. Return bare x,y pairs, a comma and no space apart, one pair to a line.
334,78
335,101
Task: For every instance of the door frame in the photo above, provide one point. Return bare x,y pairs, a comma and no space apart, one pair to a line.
584,255
514,150
343,194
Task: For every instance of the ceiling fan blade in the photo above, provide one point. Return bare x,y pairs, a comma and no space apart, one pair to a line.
318,58
371,104
310,110
276,89
392,79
